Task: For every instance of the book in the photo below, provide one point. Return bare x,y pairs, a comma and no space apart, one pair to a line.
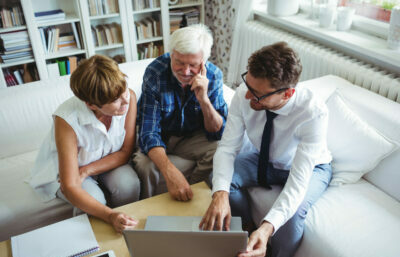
71,237
75,31
73,63
62,67
52,70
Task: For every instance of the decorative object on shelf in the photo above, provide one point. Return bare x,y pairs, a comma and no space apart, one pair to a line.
326,15
394,29
283,8
344,18
172,2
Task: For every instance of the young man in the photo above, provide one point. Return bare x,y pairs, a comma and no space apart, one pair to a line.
181,112
287,127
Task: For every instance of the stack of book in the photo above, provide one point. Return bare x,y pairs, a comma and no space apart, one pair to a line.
192,16
179,18
62,67
107,34
145,4
15,46
11,17
50,16
21,74
56,38
150,50
148,28
101,7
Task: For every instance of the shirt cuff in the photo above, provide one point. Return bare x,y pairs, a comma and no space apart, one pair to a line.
221,185
276,219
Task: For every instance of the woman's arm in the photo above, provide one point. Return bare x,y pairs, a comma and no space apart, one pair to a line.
122,156
71,181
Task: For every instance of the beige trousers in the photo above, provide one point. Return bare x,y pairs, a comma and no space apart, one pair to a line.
192,155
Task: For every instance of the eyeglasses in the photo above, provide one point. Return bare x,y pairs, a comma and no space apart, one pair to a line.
259,98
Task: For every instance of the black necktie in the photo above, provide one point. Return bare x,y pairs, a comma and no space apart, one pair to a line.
263,158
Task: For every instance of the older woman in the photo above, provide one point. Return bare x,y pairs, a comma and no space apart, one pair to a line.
84,158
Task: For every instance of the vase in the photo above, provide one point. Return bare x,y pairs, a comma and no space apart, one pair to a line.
283,8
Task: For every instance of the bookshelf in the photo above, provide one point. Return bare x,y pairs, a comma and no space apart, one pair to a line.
115,22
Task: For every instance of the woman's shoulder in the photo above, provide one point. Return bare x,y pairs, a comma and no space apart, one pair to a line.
70,108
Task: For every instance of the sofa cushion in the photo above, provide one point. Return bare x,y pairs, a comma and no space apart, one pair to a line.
379,112
352,220
356,147
21,209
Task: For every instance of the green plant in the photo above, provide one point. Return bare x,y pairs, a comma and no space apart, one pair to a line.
388,5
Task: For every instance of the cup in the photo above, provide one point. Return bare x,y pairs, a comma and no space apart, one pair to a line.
326,15
344,18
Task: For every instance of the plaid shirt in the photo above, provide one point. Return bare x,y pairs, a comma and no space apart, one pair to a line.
165,108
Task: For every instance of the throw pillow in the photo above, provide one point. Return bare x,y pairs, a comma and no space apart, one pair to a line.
356,147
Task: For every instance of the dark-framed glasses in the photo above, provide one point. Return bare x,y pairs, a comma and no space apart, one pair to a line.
259,98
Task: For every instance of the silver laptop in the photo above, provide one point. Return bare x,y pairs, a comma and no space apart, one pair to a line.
180,236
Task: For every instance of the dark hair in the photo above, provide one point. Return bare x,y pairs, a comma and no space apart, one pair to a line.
278,63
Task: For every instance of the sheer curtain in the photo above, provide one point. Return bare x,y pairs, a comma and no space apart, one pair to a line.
224,18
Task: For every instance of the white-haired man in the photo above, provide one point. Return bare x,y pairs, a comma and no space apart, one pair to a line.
181,112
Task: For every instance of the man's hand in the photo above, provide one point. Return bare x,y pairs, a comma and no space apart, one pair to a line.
120,221
218,212
178,186
200,84
257,245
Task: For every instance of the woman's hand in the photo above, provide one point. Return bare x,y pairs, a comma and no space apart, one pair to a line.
120,221
83,173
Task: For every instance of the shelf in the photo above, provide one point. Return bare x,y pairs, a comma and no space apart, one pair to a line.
68,19
6,65
147,40
184,5
147,10
65,52
107,47
4,30
105,16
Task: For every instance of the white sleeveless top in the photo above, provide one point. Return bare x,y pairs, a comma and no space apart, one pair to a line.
94,143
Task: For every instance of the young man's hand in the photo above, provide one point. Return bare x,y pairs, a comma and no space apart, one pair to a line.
257,245
218,212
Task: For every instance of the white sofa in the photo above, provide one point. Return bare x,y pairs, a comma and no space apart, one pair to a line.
360,219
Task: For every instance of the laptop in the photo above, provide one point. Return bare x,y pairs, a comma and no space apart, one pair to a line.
180,236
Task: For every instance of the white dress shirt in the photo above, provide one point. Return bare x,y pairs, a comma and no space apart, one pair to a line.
93,139
298,143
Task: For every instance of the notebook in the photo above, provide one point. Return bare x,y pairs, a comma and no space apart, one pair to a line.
73,237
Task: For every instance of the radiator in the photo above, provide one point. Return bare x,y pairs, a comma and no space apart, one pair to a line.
317,60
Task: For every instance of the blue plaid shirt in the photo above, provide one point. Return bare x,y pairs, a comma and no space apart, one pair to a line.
161,111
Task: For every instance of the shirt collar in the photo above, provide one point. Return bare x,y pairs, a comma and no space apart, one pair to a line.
287,108
86,115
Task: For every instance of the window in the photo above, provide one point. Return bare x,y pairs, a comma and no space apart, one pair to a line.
374,9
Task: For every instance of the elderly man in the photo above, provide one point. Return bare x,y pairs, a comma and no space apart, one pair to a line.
181,112
287,127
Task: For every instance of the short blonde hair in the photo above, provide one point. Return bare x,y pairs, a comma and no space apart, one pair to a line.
191,40
98,81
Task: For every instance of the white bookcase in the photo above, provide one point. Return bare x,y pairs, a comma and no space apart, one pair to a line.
78,13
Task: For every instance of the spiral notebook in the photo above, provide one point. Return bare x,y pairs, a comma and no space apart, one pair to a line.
73,237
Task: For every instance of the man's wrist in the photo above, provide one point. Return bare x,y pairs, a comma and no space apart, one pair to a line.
204,101
220,193
267,228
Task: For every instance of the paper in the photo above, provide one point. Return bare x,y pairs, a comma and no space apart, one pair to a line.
71,237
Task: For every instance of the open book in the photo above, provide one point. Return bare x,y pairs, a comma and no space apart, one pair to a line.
73,237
